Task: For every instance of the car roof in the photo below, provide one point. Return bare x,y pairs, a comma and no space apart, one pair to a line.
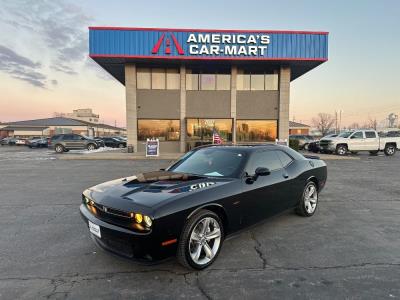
249,147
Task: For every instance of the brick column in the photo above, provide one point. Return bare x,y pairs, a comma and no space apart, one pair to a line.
284,99
233,100
131,106
183,109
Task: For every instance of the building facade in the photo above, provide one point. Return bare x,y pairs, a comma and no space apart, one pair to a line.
84,114
182,85
57,125
298,128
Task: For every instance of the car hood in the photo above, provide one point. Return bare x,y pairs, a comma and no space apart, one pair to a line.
132,192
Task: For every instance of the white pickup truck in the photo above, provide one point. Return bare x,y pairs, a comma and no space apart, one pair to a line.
359,140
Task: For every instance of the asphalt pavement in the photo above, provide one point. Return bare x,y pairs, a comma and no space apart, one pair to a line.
349,249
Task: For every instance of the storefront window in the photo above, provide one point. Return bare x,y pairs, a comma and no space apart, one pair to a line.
158,79
207,82
192,81
143,78
173,79
243,81
257,82
223,82
256,130
164,130
271,82
202,129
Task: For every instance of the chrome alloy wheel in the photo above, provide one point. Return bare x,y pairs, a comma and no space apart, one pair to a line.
341,150
205,241
390,150
310,198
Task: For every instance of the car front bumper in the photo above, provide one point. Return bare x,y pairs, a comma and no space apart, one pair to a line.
141,247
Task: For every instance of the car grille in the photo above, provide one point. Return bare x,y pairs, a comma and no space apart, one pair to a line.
110,215
112,211
117,246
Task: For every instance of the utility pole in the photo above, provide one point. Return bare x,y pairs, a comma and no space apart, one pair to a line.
336,122
340,120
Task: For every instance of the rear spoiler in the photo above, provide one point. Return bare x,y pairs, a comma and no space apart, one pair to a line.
311,156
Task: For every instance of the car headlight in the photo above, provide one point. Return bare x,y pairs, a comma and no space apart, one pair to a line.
138,218
142,219
147,221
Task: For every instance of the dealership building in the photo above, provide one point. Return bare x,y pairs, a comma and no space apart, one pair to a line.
183,85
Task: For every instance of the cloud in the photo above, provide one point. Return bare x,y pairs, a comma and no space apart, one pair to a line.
21,67
60,25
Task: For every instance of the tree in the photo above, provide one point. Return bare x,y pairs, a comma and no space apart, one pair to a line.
324,123
371,123
354,125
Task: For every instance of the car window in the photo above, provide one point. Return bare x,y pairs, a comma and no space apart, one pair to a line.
345,134
357,135
266,159
211,162
67,137
285,159
370,134
393,134
75,137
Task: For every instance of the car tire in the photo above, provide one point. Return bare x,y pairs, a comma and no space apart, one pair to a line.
59,148
91,147
120,146
194,249
341,150
373,152
305,147
309,200
390,150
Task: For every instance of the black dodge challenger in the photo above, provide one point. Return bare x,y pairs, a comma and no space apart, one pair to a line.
189,209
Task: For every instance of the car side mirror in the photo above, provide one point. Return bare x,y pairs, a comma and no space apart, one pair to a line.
262,171
82,138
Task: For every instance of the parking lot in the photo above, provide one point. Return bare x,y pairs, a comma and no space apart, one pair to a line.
349,249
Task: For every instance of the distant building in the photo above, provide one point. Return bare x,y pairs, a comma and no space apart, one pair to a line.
56,125
83,114
298,128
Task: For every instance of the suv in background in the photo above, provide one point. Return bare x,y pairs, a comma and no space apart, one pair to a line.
71,141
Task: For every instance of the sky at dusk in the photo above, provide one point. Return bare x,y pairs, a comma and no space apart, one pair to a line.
44,64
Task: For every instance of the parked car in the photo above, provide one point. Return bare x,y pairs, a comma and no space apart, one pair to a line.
8,141
5,141
20,141
191,207
113,142
304,140
314,145
37,143
70,141
99,142
360,140
122,138
393,134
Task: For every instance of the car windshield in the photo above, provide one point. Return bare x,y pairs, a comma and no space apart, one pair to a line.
219,162
345,134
